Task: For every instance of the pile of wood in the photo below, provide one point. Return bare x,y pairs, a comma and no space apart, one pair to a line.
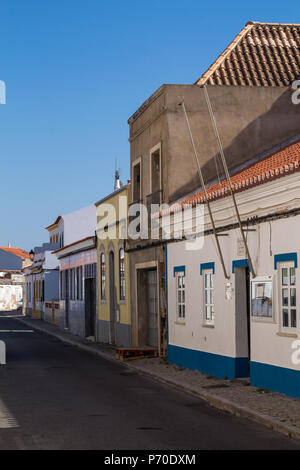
131,354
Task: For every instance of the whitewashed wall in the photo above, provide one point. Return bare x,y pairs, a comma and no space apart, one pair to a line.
269,343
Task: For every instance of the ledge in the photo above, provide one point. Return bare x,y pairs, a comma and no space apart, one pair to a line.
287,335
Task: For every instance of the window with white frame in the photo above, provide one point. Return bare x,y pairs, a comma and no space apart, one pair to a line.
262,297
209,305
180,292
288,295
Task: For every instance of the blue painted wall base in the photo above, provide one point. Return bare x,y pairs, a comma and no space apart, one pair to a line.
211,364
277,379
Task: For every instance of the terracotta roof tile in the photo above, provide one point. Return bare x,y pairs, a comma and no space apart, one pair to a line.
279,164
16,251
262,54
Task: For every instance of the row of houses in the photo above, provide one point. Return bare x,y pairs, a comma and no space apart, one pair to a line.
12,262
199,266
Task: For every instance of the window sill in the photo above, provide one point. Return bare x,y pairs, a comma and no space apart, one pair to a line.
263,320
207,325
180,323
287,335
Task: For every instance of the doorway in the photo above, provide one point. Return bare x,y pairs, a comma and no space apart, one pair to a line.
147,307
242,319
90,307
112,298
152,308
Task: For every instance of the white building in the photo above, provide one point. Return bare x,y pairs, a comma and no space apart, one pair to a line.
42,281
78,299
77,258
248,323
69,228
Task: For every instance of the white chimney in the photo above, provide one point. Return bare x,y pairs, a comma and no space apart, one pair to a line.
118,182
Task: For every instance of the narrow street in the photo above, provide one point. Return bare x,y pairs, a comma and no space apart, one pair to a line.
53,396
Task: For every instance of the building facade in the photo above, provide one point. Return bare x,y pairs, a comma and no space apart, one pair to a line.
245,324
78,284
42,281
251,99
12,292
114,308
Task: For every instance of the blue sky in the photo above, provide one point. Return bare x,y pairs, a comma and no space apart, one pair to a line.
75,70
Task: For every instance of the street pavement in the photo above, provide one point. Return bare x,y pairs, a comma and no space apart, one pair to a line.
55,396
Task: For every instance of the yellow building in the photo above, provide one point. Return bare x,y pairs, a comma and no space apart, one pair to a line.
114,313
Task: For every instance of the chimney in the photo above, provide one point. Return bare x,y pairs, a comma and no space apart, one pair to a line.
118,182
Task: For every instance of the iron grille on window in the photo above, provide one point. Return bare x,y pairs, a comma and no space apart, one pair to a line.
90,271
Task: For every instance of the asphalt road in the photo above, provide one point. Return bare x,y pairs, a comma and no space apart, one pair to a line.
54,396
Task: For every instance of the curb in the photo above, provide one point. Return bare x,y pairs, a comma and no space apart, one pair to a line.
212,400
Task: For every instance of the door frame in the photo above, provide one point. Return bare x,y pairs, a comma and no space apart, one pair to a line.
243,324
90,306
146,266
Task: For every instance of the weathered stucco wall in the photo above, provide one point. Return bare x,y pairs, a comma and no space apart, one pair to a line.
251,120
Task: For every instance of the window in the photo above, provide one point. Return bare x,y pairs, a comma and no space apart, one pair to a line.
180,288
72,284
209,306
102,275
288,295
136,187
79,293
262,298
28,292
155,171
61,240
122,273
62,285
90,270
39,291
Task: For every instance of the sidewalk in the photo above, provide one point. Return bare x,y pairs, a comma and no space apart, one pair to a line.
273,410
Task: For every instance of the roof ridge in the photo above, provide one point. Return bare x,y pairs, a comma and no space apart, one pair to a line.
245,61
205,76
271,24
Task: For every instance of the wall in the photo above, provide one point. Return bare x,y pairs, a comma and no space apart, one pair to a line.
78,224
123,327
51,285
10,295
251,120
271,363
76,307
9,261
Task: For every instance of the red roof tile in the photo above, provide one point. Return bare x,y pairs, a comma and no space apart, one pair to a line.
16,251
277,165
262,54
